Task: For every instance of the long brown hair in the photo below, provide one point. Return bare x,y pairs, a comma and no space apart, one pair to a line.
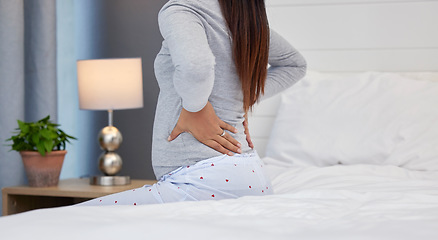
249,29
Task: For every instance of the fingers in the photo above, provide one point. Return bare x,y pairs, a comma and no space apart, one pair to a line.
245,124
218,147
227,126
233,147
248,137
174,134
233,142
249,141
225,145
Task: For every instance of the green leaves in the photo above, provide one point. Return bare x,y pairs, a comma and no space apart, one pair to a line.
23,126
42,136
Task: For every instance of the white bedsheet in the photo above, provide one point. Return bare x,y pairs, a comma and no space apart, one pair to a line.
339,202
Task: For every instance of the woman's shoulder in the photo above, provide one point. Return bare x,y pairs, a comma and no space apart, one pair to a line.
189,4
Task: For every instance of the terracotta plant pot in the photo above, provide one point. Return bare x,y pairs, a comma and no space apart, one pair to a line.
43,171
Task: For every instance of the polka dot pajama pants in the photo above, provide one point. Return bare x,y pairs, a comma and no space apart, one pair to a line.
212,179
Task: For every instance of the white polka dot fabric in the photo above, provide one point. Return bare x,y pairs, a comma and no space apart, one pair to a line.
212,179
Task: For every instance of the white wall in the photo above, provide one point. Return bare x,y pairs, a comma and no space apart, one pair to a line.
352,36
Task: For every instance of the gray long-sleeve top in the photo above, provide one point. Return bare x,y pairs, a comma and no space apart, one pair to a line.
195,65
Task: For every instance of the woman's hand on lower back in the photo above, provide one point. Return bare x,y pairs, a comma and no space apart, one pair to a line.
207,128
248,137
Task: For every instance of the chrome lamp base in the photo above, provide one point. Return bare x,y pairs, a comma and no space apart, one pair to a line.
110,180
110,163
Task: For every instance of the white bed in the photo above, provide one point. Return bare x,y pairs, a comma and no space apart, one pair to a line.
351,156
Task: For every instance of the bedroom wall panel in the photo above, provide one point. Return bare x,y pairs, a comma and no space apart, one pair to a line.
270,3
370,26
340,36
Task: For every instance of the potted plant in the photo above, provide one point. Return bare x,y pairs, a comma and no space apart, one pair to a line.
41,145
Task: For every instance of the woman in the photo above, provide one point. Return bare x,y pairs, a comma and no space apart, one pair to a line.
211,70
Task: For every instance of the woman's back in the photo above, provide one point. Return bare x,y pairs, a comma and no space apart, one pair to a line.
196,65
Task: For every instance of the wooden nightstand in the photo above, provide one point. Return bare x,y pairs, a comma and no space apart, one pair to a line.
70,191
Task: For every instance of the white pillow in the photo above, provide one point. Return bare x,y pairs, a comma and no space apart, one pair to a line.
367,118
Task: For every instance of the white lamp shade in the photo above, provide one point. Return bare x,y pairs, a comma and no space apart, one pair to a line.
106,84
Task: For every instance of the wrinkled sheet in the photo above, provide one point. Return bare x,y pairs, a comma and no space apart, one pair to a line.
338,202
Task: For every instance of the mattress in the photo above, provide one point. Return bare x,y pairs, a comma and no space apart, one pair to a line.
337,202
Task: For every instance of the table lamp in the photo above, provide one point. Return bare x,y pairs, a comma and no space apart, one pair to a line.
110,84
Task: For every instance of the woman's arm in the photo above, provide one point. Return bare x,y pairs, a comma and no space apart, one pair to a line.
193,79
193,60
287,66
